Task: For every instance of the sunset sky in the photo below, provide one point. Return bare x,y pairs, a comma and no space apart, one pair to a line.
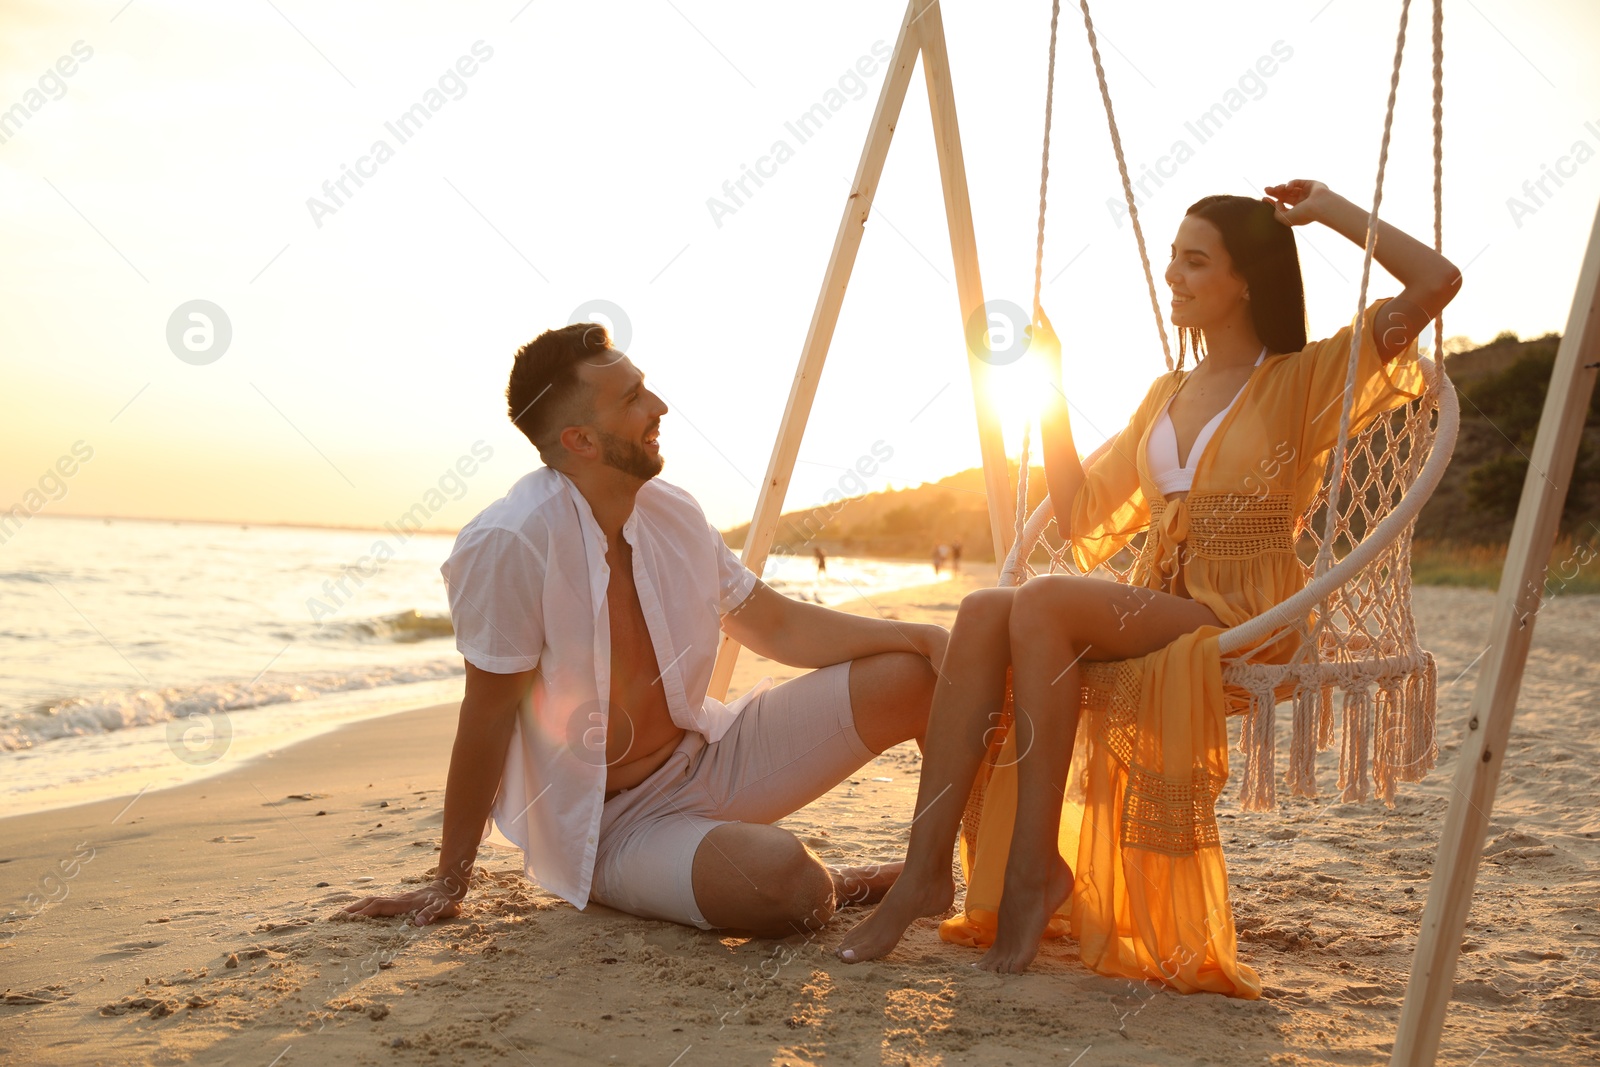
372,333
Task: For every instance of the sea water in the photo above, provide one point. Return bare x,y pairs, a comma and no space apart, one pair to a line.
142,654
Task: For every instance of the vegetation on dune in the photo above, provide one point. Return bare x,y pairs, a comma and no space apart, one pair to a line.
1462,532
1502,387
899,523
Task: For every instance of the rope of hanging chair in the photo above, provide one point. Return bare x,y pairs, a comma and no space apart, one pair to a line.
1009,575
1122,168
1438,162
1044,162
1393,525
1330,526
1324,560
1021,517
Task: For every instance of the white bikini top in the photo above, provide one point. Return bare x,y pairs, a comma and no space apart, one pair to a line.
1165,471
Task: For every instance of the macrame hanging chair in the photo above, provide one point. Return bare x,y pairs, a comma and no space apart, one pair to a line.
1357,632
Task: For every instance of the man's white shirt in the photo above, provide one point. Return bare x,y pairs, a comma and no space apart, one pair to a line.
527,581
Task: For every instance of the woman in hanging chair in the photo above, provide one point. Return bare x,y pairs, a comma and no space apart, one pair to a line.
1217,463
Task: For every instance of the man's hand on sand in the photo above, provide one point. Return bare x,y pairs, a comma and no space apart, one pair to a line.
431,903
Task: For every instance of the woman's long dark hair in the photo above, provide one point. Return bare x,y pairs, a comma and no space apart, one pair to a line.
1264,255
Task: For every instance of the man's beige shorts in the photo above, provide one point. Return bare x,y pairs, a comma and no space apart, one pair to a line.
792,744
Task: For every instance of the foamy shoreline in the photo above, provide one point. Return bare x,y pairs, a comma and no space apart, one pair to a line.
143,658
166,754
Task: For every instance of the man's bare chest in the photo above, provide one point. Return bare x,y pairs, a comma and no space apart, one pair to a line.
634,671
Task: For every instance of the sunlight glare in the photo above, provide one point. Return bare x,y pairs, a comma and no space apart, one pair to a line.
1019,391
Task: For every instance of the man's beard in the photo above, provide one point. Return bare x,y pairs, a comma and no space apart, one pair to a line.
629,457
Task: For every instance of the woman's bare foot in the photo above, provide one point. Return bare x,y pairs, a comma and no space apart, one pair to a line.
863,885
907,900
1025,910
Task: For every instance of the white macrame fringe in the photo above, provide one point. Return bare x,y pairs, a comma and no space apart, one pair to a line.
1355,758
1415,747
1301,777
1259,740
1389,739
1387,736
1325,718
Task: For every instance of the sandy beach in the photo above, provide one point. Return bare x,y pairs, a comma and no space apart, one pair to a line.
201,924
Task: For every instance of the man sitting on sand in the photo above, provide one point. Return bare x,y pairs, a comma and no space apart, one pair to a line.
587,603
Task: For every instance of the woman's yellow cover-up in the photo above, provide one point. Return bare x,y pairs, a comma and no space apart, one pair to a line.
1150,897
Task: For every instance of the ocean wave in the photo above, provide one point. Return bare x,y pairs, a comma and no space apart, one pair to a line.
106,712
403,627
44,577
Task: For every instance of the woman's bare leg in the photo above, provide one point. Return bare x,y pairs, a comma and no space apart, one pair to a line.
966,706
1058,621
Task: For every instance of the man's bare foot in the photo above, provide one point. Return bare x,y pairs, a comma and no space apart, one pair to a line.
863,885
907,900
1025,910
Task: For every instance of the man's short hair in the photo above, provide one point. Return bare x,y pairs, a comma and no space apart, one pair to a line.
546,395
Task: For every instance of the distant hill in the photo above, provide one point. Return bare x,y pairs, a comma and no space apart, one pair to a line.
1502,386
899,523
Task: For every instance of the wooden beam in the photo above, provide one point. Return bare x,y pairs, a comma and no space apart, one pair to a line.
846,243
1522,585
969,284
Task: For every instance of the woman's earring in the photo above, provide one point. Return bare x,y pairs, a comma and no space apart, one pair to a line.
1247,294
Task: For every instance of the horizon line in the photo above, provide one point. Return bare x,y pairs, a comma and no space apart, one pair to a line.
244,523
451,530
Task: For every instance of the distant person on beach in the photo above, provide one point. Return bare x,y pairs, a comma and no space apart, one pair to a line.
589,603
955,558
938,558
822,561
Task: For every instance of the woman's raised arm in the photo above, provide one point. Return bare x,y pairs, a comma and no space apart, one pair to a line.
1431,281
1063,470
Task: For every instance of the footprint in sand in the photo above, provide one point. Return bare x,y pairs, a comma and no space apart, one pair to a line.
155,1007
822,846
337,896
1366,995
127,950
1483,992
258,951
294,797
1514,845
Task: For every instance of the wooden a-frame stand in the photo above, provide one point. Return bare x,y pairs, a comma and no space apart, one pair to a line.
921,32
1522,587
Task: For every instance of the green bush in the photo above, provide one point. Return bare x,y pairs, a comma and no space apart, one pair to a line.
1495,487
1512,402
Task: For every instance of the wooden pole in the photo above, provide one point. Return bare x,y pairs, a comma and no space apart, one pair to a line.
1511,632
969,284
920,30
857,206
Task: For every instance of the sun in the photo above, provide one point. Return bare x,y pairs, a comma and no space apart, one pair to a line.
1018,391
